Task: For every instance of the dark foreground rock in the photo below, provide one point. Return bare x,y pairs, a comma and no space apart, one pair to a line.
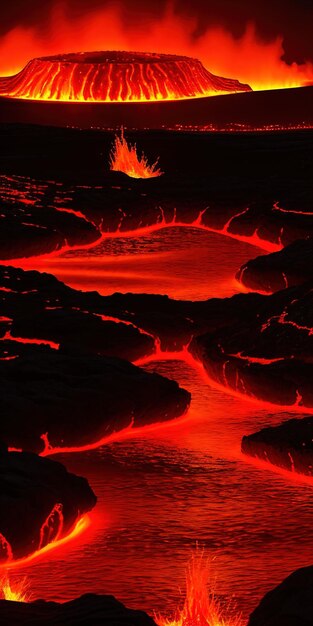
289,445
79,399
291,266
88,609
40,501
289,604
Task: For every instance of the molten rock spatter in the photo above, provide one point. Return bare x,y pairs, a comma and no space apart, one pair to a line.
124,158
201,606
17,591
43,507
115,77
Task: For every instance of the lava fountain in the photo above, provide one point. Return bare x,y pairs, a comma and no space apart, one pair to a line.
17,592
201,607
124,158
115,77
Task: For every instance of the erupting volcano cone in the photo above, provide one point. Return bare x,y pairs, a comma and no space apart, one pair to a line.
115,77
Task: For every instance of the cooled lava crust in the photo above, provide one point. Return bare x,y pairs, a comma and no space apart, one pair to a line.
115,77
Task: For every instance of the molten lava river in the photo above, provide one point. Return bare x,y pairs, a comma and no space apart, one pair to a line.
162,493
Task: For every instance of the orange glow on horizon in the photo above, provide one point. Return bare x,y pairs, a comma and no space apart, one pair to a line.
248,58
115,76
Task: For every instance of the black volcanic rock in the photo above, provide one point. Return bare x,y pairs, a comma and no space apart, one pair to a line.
291,266
259,345
41,307
31,487
79,399
89,609
268,354
289,445
288,604
30,225
38,306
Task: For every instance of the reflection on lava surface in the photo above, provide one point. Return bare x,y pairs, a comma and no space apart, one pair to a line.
179,262
162,493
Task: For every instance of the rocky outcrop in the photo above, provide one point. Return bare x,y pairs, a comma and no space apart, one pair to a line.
267,355
40,501
255,344
87,610
32,225
291,266
289,604
79,400
38,306
289,445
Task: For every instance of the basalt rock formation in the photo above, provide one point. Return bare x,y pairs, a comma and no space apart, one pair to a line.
267,355
39,502
255,344
89,609
289,445
79,399
291,266
288,604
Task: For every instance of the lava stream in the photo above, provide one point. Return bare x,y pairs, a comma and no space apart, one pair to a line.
81,525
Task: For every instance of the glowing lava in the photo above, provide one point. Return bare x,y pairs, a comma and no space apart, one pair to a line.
115,77
124,158
201,607
51,529
81,525
17,592
250,58
5,548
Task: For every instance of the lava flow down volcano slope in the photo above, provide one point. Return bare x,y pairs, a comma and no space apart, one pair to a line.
138,90
115,77
144,90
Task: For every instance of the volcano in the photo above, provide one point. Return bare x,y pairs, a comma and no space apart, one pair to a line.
115,77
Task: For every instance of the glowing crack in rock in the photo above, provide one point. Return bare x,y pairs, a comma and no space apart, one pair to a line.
124,158
115,77
201,607
52,527
80,526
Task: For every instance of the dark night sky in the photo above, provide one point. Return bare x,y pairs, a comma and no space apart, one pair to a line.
291,18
